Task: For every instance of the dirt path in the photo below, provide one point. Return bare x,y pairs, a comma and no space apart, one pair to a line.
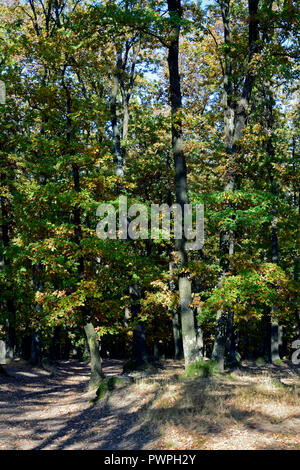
43,411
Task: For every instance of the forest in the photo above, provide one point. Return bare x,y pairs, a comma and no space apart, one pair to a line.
166,104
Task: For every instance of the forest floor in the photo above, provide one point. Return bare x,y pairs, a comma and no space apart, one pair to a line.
254,407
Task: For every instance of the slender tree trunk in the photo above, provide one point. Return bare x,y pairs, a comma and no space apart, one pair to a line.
119,157
54,343
235,115
267,336
200,340
230,341
218,353
275,339
139,351
139,343
2,352
226,237
11,330
176,324
177,337
139,336
269,123
36,352
190,346
125,122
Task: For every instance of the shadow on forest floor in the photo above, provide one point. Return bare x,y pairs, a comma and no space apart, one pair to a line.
255,407
43,411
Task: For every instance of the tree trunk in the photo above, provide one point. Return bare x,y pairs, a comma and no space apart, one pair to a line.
119,157
139,336
54,354
177,338
36,351
139,351
218,353
139,343
96,362
234,123
190,343
269,123
200,340
190,347
275,341
275,356
11,331
230,349
267,336
2,352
